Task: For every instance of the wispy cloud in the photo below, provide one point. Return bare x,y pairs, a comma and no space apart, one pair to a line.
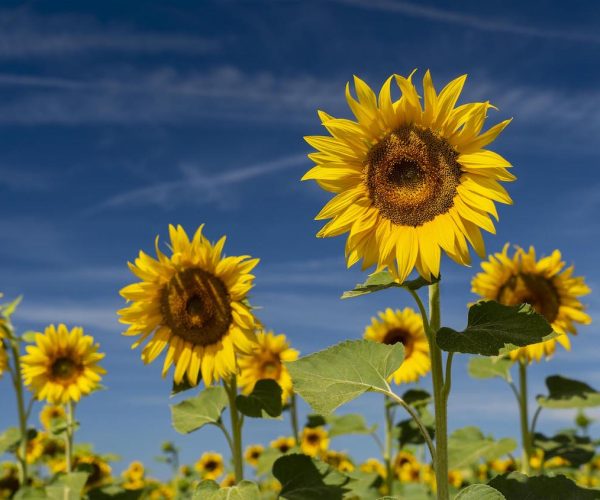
480,23
25,34
196,185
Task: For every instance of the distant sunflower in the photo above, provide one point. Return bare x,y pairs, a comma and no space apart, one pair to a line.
51,414
194,302
409,181
404,326
3,359
35,448
266,362
551,290
315,440
62,365
210,465
228,481
283,444
338,460
253,453
373,465
406,467
134,476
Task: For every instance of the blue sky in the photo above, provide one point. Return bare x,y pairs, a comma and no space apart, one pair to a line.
118,118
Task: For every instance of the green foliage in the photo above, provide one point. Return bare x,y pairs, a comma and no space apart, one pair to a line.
479,492
263,402
209,490
577,450
409,433
468,445
114,492
9,439
304,478
382,280
417,397
197,411
483,368
517,486
182,386
495,329
67,486
568,393
330,378
351,423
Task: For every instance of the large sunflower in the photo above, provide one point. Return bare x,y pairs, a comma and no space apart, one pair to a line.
545,284
266,362
62,365
404,326
409,181
194,302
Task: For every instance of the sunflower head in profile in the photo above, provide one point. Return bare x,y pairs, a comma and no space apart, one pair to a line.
210,465
253,453
62,365
314,441
404,326
410,178
266,362
283,444
545,283
52,414
192,302
99,470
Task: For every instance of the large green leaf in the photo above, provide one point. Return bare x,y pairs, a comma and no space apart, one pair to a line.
577,450
482,367
351,423
517,486
9,439
328,379
197,411
67,486
408,431
495,329
264,401
382,280
30,493
114,492
304,478
468,445
479,492
568,393
209,490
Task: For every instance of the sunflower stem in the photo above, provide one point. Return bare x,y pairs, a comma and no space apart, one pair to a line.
388,448
294,417
69,437
523,410
440,395
17,381
236,430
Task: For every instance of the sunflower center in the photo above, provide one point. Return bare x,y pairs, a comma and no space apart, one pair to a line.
313,439
284,448
270,368
211,465
64,369
412,176
395,335
536,290
195,305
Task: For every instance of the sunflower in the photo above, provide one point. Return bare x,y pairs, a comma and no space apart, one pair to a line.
35,448
266,362
3,359
373,465
63,365
407,327
315,441
456,478
551,289
409,182
9,479
406,467
50,415
134,476
195,303
99,470
338,460
253,453
210,465
502,465
228,481
283,444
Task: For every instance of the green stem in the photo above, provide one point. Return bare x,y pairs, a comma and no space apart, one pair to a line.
439,395
294,418
388,447
22,412
525,437
69,437
236,430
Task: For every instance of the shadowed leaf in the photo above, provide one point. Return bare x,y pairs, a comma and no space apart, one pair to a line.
382,280
197,411
517,486
264,401
568,393
576,449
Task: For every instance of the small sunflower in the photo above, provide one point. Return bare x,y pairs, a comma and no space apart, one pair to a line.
502,465
9,479
51,414
35,448
210,465
283,444
228,481
551,289
100,472
373,465
134,476
406,467
253,453
195,303
404,326
338,460
62,366
266,362
315,440
456,478
409,181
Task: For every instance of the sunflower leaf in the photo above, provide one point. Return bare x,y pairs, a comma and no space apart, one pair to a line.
263,402
197,411
468,445
479,492
482,368
577,450
351,423
9,439
382,280
568,393
517,486
209,490
494,329
327,379
67,486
